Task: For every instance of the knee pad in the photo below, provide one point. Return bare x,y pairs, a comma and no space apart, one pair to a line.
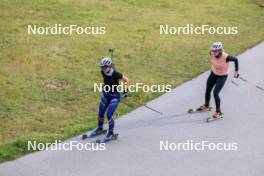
112,107
114,101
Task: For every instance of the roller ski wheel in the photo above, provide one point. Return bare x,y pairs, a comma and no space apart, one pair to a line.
94,133
214,117
200,109
107,138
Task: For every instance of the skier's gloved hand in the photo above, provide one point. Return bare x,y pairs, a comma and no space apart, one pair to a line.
236,75
125,94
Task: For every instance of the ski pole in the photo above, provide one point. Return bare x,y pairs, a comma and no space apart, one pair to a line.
232,81
144,106
111,51
151,109
251,83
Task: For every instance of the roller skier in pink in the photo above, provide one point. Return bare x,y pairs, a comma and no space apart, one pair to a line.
218,76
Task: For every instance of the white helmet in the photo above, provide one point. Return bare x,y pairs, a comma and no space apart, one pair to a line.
217,46
106,61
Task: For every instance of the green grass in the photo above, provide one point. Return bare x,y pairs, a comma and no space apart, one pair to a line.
29,109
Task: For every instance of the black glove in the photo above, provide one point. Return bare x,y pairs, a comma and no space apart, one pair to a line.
124,94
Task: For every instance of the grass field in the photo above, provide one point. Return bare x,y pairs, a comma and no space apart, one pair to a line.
46,82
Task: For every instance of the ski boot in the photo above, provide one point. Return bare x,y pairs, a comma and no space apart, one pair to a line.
98,131
110,136
217,115
202,108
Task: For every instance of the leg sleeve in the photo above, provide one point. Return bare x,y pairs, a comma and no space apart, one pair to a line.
211,81
218,87
110,112
102,108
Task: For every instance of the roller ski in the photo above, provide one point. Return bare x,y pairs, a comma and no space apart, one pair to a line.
94,133
216,116
200,109
109,137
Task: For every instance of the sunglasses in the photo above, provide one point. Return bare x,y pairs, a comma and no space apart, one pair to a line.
215,51
104,67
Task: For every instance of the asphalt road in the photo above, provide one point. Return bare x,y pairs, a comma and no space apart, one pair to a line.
137,151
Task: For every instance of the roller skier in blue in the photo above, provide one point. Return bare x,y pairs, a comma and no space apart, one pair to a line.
109,100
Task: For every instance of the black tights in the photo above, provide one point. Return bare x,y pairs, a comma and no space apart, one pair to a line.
218,82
